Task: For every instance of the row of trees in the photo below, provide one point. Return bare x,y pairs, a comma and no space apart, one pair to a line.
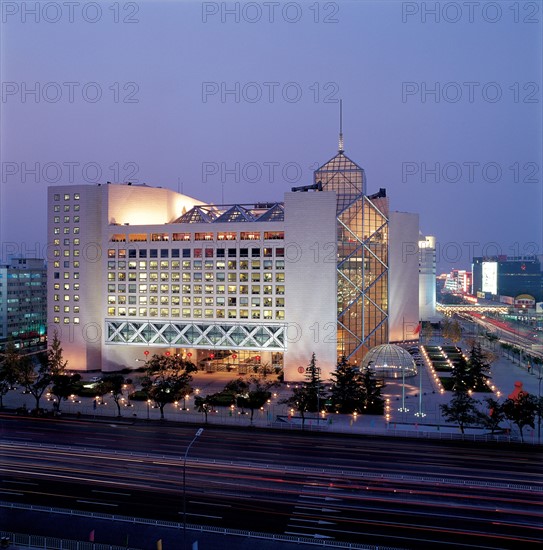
352,390
463,409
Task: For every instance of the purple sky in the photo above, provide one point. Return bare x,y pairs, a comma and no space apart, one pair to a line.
376,56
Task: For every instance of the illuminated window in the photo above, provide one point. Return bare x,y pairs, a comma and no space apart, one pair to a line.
181,237
67,197
66,320
250,235
203,236
156,237
56,320
56,197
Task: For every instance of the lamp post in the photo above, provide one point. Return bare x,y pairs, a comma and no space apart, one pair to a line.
148,403
196,436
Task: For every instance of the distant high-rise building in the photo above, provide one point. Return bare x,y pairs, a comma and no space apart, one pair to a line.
495,276
459,281
23,302
427,278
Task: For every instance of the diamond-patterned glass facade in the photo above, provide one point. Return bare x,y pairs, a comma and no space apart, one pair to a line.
362,223
201,335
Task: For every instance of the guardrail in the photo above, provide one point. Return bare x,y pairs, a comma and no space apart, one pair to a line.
52,543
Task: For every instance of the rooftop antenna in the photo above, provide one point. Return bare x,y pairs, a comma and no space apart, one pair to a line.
341,149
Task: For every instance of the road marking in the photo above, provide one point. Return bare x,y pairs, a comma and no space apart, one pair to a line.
319,521
201,515
111,492
211,504
19,482
98,503
315,535
323,510
319,497
11,493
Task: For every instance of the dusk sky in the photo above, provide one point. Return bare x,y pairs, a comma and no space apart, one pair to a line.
177,94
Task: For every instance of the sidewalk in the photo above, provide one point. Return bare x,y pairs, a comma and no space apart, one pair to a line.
421,412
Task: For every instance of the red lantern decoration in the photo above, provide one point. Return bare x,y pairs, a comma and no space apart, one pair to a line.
257,357
146,352
211,355
189,354
234,356
167,354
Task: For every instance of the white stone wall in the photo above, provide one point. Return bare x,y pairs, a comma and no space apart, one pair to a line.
403,276
311,282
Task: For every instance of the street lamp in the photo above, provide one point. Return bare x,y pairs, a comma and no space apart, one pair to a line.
196,436
148,403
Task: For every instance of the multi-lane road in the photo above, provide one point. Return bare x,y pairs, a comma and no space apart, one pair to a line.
379,491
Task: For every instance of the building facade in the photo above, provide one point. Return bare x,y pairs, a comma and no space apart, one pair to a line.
138,270
361,255
427,278
23,302
496,276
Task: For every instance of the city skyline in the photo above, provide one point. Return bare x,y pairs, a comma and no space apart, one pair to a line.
236,102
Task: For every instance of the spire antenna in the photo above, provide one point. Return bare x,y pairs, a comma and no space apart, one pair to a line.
341,149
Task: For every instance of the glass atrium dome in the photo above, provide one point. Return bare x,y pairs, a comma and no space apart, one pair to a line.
390,361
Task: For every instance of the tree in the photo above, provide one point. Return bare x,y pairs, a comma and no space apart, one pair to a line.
64,385
257,395
521,411
462,409
472,373
300,400
478,366
313,387
374,404
239,389
204,404
113,384
55,361
452,330
495,415
167,379
8,370
34,375
348,391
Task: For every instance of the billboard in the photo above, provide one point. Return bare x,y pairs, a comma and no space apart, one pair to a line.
490,277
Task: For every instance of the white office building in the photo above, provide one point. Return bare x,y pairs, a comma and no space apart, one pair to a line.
135,270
